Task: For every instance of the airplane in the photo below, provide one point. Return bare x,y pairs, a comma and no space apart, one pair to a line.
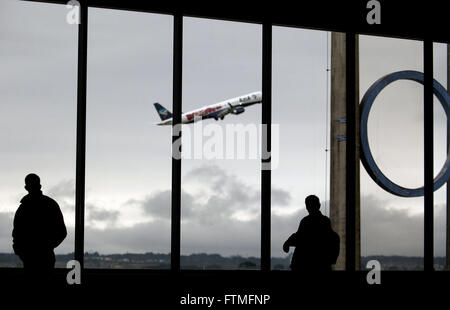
216,111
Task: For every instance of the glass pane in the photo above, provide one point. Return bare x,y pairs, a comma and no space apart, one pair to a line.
38,86
128,160
221,186
440,72
300,108
392,226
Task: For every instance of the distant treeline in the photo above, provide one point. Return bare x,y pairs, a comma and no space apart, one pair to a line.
209,261
156,261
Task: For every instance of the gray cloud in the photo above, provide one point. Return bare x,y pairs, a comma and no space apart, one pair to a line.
64,189
222,195
64,193
383,231
391,231
100,215
280,197
158,205
224,236
207,222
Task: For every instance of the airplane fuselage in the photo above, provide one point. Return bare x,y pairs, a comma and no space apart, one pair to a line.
218,110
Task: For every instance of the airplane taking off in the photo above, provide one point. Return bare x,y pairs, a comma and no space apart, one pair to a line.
218,110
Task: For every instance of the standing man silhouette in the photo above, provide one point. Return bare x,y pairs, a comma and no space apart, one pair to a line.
316,244
38,229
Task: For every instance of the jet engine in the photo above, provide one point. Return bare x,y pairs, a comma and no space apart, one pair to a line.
237,110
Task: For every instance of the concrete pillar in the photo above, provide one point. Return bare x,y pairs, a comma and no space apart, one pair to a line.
338,147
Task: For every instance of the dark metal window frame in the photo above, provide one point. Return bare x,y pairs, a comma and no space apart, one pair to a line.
330,21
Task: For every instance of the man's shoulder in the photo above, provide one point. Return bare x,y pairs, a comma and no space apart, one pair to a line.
316,218
25,199
49,200
20,209
326,218
305,219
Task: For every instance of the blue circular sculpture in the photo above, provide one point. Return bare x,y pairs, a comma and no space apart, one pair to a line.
366,155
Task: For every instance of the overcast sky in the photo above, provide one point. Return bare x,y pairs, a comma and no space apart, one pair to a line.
128,161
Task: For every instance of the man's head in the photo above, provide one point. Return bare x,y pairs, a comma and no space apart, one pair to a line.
32,183
312,203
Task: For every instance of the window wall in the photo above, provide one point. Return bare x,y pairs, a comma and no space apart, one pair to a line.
300,105
38,76
441,142
128,157
221,195
392,227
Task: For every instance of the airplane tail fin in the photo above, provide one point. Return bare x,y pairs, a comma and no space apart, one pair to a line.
162,112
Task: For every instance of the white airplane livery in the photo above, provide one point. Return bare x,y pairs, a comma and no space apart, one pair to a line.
216,111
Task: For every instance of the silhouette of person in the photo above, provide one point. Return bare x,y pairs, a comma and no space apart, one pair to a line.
316,244
38,229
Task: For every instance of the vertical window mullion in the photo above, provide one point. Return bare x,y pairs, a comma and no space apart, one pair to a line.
80,176
176,134
266,146
428,157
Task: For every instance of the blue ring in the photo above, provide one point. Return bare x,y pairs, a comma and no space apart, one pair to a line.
366,155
